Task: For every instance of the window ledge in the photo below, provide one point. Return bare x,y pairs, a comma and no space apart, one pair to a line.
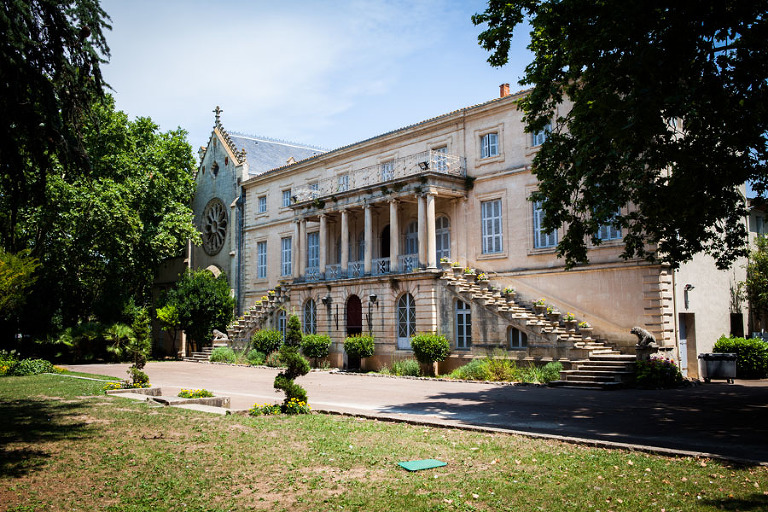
493,256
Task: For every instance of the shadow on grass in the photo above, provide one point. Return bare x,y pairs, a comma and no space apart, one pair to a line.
753,501
28,423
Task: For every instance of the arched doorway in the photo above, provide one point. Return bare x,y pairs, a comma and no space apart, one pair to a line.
354,326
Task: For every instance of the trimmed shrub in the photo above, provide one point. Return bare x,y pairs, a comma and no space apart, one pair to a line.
751,355
430,347
266,341
316,345
255,357
296,366
223,355
359,345
657,374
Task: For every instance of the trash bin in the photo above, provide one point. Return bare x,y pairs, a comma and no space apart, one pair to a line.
717,366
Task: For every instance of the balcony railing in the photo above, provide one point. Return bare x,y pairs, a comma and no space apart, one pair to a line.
379,266
407,262
356,269
413,165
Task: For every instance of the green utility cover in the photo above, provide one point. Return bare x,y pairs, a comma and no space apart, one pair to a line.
417,465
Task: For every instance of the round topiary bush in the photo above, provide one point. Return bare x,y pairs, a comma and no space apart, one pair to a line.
316,346
429,347
266,341
223,355
359,345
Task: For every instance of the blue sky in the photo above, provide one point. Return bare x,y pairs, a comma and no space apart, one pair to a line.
324,73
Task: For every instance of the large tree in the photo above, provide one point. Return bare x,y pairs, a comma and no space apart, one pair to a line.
658,114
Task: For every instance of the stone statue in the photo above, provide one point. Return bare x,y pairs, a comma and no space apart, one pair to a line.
644,338
219,336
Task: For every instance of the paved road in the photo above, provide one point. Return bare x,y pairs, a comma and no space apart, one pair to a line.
727,420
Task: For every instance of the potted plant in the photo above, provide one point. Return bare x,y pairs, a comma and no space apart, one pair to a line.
553,314
470,275
445,263
570,321
457,268
585,329
540,306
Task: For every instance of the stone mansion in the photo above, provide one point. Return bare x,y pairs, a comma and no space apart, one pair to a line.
357,239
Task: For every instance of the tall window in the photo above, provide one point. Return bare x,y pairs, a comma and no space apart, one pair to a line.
412,238
441,160
387,170
343,183
281,323
313,250
489,145
541,239
360,246
517,339
286,256
443,237
406,321
463,325
261,260
310,317
262,204
540,136
609,231
491,225
286,198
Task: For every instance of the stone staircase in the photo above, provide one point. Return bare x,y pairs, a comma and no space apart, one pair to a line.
602,370
240,331
202,356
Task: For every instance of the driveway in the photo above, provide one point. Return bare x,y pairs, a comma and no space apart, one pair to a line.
716,419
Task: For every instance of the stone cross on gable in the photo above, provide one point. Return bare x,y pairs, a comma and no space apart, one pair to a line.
218,112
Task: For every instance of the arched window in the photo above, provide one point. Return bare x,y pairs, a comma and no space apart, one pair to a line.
463,325
412,238
310,317
443,237
406,321
517,339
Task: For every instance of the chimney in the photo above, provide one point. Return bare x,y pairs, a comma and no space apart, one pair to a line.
503,90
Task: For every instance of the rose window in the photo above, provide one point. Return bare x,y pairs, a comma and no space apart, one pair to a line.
214,226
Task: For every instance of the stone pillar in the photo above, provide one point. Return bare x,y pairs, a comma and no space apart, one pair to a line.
323,243
431,242
394,235
368,239
422,220
344,241
295,247
302,247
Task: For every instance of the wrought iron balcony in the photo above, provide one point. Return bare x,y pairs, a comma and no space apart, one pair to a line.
380,174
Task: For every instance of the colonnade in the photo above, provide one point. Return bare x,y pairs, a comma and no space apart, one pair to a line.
426,238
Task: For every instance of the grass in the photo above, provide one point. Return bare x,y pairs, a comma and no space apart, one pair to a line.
63,445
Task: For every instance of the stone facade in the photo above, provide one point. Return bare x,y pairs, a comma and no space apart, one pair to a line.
353,238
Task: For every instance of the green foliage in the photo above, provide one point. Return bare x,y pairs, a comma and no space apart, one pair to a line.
751,355
541,374
296,406
223,355
316,345
118,336
476,369
296,366
430,347
267,340
293,334
273,360
679,91
139,342
203,303
30,367
402,368
256,358
658,374
264,410
139,379
195,393
168,316
498,367
757,277
359,345
502,369
16,278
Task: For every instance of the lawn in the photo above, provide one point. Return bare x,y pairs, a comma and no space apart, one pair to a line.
65,446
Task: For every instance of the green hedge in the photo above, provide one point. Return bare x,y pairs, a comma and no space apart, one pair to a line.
429,347
751,355
316,346
267,341
359,345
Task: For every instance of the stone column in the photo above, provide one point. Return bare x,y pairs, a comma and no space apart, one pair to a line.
368,239
422,220
323,243
344,241
431,242
295,250
301,247
394,235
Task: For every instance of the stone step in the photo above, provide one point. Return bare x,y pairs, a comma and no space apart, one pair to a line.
574,384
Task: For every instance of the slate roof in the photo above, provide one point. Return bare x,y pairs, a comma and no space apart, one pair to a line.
264,154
